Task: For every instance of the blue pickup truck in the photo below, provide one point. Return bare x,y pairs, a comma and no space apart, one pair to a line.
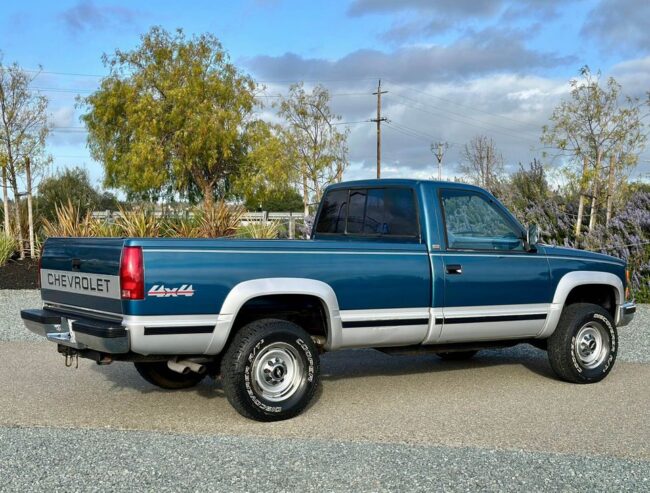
396,265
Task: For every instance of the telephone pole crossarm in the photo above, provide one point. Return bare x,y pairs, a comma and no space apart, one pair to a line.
438,150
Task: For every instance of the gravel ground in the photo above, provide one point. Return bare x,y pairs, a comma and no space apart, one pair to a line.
11,302
634,340
99,460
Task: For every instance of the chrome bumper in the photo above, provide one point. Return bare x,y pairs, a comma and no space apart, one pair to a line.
77,334
626,313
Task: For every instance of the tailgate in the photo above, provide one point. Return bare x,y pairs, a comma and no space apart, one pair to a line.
82,274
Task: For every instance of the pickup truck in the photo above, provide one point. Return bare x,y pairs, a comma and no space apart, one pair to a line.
396,265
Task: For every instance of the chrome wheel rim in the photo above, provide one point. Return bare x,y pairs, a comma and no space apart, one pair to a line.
277,372
591,345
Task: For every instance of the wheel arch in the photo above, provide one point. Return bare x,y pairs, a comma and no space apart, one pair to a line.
572,281
247,291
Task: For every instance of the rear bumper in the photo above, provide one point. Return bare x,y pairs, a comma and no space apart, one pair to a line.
626,313
80,334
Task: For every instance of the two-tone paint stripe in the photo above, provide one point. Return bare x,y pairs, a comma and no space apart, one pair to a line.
503,254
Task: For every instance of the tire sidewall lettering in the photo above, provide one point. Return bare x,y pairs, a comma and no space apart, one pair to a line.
606,365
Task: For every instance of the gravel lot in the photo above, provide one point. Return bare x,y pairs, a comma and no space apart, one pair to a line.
101,460
634,339
500,422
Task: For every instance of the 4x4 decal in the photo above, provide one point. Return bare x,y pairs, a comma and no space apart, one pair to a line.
160,291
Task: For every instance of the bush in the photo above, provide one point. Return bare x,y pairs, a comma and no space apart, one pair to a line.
628,237
8,247
260,231
73,183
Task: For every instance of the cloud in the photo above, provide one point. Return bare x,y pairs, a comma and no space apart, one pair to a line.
634,76
620,25
85,15
475,8
63,117
477,53
428,18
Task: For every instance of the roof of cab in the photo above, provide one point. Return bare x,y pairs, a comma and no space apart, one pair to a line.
404,182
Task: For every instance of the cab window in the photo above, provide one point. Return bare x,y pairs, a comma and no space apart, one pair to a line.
474,222
387,212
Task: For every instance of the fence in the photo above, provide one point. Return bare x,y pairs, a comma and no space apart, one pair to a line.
290,219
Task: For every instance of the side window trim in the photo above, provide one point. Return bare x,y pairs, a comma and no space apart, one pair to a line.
493,204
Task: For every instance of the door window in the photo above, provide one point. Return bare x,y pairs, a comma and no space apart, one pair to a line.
473,222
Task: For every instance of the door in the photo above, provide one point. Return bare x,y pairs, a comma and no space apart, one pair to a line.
494,288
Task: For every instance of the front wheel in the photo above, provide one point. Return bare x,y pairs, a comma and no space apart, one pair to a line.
584,345
271,370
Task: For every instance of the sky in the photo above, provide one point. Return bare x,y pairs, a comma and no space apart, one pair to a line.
453,69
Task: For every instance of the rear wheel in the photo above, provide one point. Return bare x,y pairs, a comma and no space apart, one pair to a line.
457,355
159,374
271,370
584,345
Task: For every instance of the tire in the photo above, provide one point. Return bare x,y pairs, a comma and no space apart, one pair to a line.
270,370
457,355
584,345
159,374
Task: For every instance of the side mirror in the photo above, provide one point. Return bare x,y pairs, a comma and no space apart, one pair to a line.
532,238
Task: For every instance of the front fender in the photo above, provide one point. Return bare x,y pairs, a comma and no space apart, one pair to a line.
572,280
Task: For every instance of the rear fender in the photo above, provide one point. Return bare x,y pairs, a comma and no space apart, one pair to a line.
248,290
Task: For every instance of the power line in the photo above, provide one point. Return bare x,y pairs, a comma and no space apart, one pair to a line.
484,127
520,122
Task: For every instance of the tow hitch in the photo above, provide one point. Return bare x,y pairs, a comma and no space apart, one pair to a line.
71,356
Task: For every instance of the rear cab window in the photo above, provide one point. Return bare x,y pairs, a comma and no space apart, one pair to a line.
385,212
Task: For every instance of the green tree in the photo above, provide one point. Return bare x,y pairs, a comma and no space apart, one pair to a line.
593,126
171,117
23,130
71,184
264,179
318,148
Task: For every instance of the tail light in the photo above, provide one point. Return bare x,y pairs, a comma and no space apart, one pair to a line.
132,274
627,284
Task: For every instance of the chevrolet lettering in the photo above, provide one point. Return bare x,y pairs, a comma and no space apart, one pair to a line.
401,266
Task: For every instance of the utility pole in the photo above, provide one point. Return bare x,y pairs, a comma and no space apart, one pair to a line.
438,150
379,119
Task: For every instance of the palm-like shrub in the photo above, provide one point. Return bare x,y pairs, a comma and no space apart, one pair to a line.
221,220
138,223
260,231
8,247
69,222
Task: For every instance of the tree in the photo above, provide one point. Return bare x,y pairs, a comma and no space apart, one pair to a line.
319,148
71,184
23,130
171,117
265,176
596,123
482,164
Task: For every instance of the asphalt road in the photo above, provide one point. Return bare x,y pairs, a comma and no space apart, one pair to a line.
380,423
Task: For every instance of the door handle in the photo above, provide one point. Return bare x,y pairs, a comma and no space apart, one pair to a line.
454,269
